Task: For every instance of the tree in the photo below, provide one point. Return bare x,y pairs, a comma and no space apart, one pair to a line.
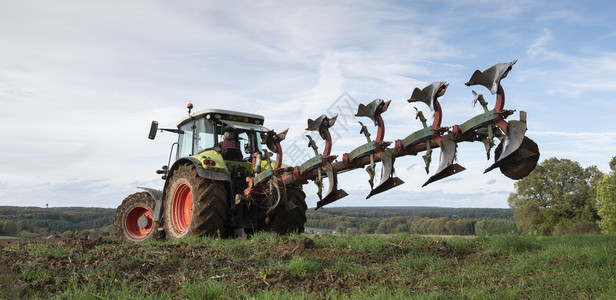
606,194
559,192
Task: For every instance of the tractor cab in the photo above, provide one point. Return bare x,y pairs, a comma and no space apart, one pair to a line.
205,130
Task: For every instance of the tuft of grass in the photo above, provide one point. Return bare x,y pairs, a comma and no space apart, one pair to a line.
302,266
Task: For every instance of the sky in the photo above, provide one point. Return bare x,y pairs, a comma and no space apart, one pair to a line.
80,82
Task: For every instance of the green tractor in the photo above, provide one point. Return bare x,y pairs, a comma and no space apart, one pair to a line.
217,151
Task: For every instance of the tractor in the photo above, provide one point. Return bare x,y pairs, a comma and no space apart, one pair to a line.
224,182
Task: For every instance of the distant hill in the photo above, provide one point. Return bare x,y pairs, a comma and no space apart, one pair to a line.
69,222
58,221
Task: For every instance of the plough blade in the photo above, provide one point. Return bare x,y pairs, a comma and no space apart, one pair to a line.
333,193
517,155
271,138
373,109
491,77
388,180
446,167
321,124
512,142
429,93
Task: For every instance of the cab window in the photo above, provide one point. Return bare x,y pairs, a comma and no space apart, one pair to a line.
206,135
185,140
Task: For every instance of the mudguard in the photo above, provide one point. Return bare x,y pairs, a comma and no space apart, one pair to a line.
158,197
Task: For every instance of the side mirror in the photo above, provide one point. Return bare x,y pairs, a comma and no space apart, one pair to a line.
153,130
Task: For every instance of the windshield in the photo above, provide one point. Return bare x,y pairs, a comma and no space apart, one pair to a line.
203,134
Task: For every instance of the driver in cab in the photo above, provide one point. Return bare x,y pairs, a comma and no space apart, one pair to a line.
228,141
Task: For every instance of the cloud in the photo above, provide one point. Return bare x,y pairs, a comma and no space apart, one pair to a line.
540,45
573,75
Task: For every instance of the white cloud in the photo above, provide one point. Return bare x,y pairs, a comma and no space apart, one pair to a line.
538,47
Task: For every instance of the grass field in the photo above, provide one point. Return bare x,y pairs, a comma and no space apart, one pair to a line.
308,267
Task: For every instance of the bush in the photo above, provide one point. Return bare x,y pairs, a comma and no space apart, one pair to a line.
579,227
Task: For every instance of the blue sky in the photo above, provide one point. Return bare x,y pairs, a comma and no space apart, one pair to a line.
80,81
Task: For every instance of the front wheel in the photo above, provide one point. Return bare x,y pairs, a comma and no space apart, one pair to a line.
193,205
134,219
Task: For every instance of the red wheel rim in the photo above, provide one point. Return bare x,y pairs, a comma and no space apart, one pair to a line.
181,208
132,222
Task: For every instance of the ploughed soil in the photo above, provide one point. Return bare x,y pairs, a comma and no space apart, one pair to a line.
309,265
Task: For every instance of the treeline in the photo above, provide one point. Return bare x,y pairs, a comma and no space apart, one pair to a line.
79,222
66,222
419,211
439,221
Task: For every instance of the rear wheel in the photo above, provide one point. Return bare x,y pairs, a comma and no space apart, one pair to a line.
134,219
294,217
193,205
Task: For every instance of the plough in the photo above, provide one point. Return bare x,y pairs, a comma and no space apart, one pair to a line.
223,182
516,155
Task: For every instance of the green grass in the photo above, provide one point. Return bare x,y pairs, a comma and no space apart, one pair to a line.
302,266
269,266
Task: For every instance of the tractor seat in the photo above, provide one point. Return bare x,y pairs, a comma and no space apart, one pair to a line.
232,153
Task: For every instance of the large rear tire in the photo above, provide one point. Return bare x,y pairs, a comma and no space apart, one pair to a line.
292,220
193,205
134,220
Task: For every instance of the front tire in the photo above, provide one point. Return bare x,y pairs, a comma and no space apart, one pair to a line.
193,205
133,220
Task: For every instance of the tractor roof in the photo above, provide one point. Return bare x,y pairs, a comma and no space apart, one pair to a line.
224,115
